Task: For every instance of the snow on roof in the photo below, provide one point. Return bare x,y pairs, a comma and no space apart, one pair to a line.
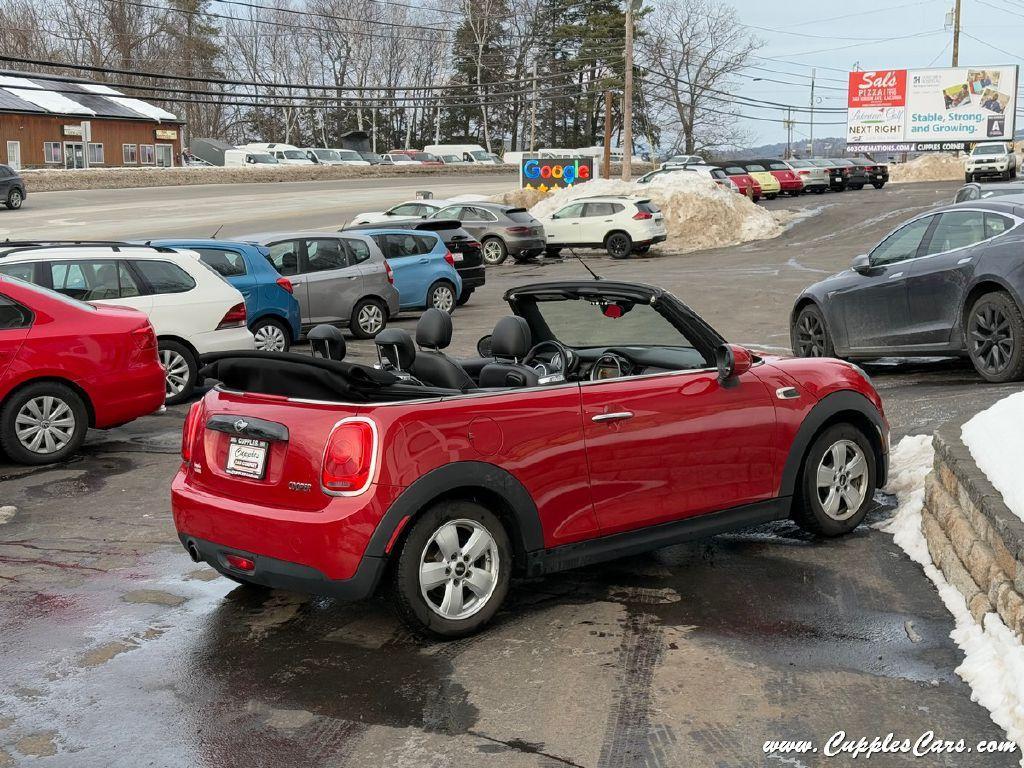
92,99
145,108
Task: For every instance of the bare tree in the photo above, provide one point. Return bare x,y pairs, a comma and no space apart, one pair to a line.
692,50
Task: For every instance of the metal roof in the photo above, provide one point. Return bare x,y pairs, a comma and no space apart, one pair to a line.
24,92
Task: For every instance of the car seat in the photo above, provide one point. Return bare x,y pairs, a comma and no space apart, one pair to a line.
432,366
510,343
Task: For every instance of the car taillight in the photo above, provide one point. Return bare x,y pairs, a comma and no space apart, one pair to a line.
449,258
240,563
190,430
473,244
349,457
285,283
642,215
145,350
804,173
518,230
235,317
389,272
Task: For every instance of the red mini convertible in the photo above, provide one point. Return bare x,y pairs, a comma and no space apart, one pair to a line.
66,366
601,419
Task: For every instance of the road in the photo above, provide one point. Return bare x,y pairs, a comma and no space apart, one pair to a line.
238,208
118,651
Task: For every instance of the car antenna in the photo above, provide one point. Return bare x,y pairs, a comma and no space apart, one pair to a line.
214,235
585,266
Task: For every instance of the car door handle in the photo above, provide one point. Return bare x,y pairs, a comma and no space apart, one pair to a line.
424,261
619,416
893,277
295,282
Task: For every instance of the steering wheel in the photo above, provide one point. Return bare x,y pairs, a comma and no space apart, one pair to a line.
564,355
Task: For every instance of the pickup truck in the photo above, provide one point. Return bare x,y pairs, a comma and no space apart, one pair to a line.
992,159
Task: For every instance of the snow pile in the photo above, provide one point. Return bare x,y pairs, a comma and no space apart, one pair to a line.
993,662
698,213
995,439
937,167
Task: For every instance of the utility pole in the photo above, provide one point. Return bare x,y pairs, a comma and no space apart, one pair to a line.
533,120
956,33
789,133
437,123
606,165
627,95
813,73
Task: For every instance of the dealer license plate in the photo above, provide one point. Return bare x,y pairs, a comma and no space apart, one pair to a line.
837,178
878,176
457,257
247,457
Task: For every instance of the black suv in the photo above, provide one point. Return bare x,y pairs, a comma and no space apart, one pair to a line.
12,188
469,261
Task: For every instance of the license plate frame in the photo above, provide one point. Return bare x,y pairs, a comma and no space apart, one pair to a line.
247,457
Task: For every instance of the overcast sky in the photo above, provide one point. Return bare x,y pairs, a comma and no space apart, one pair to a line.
836,36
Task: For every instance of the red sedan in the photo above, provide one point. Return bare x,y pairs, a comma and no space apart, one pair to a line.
66,366
746,183
602,419
789,180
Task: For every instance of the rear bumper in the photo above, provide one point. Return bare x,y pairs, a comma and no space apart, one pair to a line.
653,240
473,277
524,247
282,574
140,391
791,185
224,340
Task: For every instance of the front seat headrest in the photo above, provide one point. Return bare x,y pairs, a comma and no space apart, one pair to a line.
434,329
511,338
395,345
327,342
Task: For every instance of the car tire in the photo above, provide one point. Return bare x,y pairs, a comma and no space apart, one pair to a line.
968,178
494,251
441,295
819,191
552,253
878,184
755,198
994,330
433,553
1013,173
771,195
619,245
271,335
369,317
857,187
837,482
14,199
181,371
809,336
47,411
465,296
1006,175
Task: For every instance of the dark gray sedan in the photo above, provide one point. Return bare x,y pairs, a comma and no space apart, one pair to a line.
948,282
503,230
12,188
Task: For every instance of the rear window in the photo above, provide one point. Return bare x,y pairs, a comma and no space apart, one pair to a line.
778,166
646,206
521,216
755,168
735,170
224,262
402,245
23,271
357,251
164,277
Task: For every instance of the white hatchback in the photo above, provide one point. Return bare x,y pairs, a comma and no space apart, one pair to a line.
621,225
194,311
411,209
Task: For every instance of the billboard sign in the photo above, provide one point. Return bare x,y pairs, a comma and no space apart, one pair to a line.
931,106
554,172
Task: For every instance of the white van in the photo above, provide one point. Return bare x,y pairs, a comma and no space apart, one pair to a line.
471,153
284,153
239,157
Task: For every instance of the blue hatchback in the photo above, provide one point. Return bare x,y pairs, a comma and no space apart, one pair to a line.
272,311
423,267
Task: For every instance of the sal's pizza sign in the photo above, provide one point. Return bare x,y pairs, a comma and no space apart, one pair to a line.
884,88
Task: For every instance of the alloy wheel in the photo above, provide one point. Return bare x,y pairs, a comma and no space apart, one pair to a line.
270,338
370,319
176,367
459,569
618,246
810,336
492,252
45,424
842,480
443,298
14,199
991,338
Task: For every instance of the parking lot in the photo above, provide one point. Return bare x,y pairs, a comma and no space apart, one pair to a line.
119,651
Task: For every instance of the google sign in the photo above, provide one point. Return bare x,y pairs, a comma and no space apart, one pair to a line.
551,173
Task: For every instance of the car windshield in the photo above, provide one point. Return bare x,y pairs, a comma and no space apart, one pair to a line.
294,154
989,149
326,154
452,158
264,159
372,157
347,154
480,155
587,323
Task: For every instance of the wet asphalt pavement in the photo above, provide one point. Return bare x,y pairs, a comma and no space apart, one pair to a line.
116,650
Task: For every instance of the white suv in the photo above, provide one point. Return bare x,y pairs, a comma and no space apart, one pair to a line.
993,159
193,310
621,225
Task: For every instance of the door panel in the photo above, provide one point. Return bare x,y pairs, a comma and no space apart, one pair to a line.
566,227
674,446
410,263
14,328
333,285
284,257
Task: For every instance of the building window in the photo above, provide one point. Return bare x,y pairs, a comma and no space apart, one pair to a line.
95,154
147,154
131,153
52,152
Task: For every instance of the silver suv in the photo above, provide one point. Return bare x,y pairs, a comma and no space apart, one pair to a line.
340,280
503,230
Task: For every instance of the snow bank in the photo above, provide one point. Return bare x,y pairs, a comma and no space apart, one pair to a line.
995,438
937,167
993,662
698,213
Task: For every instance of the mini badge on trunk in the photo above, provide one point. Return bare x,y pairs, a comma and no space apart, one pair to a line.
304,487
240,425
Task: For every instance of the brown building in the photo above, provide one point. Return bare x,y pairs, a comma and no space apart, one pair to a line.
53,123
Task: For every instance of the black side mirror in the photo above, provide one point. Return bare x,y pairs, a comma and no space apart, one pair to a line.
861,264
483,347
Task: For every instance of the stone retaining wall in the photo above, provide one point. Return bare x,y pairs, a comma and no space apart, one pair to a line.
972,536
